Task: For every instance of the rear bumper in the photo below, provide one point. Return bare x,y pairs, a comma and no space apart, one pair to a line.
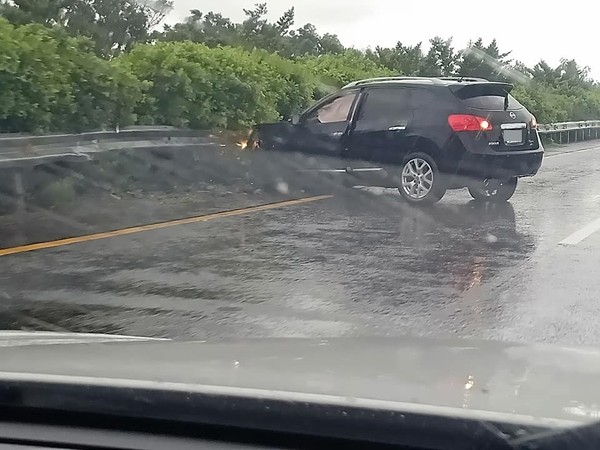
501,166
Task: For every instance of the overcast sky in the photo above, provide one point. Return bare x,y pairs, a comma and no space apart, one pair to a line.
532,29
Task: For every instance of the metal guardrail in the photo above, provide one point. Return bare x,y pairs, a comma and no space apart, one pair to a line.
19,150
567,132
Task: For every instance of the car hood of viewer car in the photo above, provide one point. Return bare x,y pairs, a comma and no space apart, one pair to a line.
534,382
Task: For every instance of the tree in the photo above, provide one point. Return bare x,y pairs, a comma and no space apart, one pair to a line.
255,32
278,37
113,25
572,74
255,20
304,41
21,12
401,59
156,11
543,73
330,44
211,29
480,61
441,59
285,22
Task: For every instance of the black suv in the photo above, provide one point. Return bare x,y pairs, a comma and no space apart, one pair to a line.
426,135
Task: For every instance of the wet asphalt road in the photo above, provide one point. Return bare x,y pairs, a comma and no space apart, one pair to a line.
361,263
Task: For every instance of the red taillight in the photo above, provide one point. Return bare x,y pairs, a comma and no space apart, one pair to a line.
467,122
533,123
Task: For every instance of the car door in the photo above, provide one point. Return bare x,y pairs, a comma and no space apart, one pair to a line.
383,120
322,129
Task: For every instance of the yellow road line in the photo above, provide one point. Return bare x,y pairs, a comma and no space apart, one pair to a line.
159,225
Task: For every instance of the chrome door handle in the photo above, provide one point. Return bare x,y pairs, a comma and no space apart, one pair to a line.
397,128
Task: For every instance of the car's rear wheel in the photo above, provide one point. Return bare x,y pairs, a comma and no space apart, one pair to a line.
420,180
493,190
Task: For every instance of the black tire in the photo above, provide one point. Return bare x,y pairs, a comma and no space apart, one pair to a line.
348,181
498,193
435,183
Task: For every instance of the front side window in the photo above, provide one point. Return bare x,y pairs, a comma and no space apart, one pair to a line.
336,110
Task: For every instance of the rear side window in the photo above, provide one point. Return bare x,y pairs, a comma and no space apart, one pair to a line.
384,108
424,99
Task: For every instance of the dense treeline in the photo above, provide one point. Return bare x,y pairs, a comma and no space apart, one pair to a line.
72,65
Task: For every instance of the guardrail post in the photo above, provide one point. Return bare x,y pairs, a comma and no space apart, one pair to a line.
19,191
21,208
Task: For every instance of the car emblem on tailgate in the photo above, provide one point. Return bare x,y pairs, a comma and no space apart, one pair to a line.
513,115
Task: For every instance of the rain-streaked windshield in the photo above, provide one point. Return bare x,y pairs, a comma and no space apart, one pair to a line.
169,169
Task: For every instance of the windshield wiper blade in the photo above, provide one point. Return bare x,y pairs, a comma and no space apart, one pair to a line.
577,438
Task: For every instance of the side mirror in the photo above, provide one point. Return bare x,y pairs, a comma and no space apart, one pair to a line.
295,120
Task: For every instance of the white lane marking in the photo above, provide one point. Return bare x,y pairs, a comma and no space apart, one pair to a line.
582,233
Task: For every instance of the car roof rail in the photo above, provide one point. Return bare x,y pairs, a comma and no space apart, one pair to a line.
402,78
467,79
382,79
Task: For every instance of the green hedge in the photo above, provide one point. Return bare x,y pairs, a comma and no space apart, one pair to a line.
49,81
550,104
333,71
192,85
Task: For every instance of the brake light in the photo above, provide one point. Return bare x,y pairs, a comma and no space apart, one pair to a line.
533,123
468,122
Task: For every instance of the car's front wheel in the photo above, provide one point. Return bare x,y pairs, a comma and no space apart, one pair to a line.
254,141
420,181
493,190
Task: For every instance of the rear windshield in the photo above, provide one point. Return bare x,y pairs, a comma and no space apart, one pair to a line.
492,102
488,96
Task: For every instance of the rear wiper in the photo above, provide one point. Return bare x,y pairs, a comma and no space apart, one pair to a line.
506,102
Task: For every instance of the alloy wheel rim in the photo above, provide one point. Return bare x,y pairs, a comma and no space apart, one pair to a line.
417,178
